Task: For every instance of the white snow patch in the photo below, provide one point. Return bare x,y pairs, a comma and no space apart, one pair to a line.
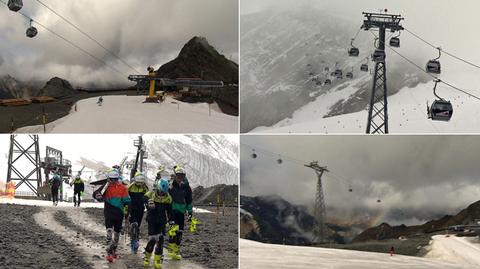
460,250
128,114
45,203
245,212
259,255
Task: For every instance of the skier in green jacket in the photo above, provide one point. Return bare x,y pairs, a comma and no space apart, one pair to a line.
182,204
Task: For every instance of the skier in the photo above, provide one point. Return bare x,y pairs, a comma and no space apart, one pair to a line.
115,198
182,203
160,172
137,191
78,189
100,101
159,212
392,251
55,183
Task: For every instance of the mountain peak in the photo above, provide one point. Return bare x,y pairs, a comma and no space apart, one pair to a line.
199,59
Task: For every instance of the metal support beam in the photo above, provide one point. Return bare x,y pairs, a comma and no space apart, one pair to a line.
377,122
320,214
27,151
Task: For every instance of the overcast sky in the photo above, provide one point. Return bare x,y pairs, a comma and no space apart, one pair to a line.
438,174
453,27
143,33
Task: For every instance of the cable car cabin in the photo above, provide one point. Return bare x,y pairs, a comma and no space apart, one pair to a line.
395,42
433,66
364,67
31,32
378,56
349,75
353,52
441,110
328,82
15,5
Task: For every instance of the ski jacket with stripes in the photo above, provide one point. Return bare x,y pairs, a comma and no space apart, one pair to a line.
136,194
116,197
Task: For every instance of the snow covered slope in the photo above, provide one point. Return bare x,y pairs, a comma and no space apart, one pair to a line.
407,114
128,114
461,250
259,255
208,160
285,52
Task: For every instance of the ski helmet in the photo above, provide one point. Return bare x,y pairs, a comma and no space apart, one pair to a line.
162,185
179,170
161,168
113,174
139,177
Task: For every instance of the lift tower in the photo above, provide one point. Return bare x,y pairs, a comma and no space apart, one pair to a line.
142,154
319,214
377,111
24,162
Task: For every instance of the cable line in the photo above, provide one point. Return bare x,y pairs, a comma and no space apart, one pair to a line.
444,51
70,42
89,37
419,67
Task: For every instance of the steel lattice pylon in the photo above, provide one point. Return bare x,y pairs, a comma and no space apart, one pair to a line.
377,112
378,108
29,151
320,214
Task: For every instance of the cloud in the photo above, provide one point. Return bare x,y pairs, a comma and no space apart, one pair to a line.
434,174
149,32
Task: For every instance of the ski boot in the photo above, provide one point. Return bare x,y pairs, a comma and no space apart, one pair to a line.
157,261
134,246
146,259
109,236
111,253
174,251
111,256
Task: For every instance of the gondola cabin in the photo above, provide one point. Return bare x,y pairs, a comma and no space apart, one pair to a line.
395,42
31,32
354,52
433,66
15,5
441,110
378,56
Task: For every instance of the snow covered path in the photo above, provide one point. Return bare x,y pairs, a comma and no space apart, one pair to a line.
460,250
88,236
128,114
258,255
